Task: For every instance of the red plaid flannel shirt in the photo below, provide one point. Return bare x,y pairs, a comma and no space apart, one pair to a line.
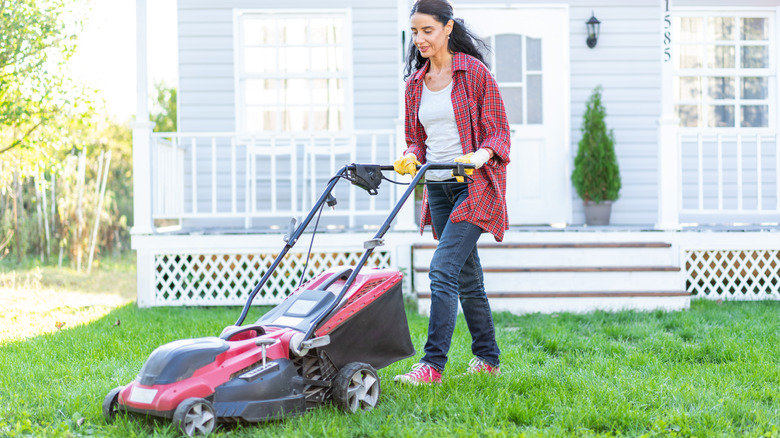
481,120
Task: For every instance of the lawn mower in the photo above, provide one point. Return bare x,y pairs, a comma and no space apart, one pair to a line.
322,344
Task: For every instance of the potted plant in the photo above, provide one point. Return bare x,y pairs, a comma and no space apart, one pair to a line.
596,175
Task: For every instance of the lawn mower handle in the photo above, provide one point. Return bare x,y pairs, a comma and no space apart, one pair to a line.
458,169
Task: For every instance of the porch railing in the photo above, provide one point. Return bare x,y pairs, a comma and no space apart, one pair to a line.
244,176
729,177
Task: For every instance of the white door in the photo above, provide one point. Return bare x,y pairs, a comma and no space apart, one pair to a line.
530,61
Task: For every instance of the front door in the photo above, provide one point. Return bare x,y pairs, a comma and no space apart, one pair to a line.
530,61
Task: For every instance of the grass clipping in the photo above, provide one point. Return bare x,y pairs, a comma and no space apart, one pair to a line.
38,301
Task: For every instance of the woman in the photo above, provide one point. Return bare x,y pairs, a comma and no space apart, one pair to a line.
454,113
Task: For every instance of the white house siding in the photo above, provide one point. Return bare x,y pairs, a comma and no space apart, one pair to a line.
626,62
207,81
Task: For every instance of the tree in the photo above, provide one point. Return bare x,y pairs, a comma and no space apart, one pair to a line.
596,175
163,112
35,44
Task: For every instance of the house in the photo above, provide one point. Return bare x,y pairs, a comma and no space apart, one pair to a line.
274,98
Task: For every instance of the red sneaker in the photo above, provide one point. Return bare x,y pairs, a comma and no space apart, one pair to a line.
476,365
421,373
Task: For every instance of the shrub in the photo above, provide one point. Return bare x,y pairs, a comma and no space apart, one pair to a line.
596,175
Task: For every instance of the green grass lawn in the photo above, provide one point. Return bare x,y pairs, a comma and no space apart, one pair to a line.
710,371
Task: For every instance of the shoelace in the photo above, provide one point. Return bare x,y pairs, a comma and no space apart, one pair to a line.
476,364
419,370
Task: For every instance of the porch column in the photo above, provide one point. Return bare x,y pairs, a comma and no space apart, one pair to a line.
142,130
142,185
668,153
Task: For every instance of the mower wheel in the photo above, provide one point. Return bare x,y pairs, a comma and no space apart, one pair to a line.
195,416
356,387
111,404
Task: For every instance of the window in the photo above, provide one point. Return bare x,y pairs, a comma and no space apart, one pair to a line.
724,70
292,71
519,78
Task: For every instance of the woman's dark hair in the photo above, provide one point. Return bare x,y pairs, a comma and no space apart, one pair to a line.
461,38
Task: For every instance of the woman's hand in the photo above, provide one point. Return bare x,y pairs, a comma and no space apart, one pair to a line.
406,165
478,159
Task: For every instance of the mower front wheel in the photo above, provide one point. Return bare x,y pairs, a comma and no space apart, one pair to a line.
111,403
195,416
356,387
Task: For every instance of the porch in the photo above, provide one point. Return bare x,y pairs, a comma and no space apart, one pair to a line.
220,203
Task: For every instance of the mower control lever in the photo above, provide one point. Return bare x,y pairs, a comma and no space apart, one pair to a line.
290,231
263,344
316,342
373,243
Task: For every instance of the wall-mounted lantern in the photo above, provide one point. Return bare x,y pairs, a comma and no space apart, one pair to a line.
593,30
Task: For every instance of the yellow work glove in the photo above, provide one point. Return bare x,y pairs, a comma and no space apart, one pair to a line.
406,165
477,158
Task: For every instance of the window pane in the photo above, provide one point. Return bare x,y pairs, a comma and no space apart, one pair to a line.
296,92
689,57
294,59
720,56
325,31
755,116
259,32
534,95
336,91
325,59
513,102
688,115
319,91
755,57
754,29
720,116
720,88
320,119
720,28
319,29
533,49
260,119
690,29
508,50
755,88
259,60
260,91
293,31
335,118
687,88
295,119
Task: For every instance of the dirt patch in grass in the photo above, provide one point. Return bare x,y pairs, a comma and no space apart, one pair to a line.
27,313
45,299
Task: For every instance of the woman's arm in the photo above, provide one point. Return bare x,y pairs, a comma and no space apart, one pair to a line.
414,144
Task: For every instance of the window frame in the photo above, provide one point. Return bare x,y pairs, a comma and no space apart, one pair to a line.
705,102
240,76
491,40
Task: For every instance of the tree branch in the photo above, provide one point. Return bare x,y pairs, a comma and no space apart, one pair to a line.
19,141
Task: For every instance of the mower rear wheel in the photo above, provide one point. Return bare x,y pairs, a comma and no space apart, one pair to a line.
111,404
195,416
356,387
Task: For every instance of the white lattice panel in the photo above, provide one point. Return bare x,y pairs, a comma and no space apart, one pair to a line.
733,275
228,279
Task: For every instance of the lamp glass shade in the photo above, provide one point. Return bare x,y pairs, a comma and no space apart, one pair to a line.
594,27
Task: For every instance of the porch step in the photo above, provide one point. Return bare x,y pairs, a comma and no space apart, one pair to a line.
570,277
563,254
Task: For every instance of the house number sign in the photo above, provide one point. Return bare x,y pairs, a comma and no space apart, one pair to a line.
667,41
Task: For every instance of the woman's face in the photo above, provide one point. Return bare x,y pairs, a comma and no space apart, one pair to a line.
429,35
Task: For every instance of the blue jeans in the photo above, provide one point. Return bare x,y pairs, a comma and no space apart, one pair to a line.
456,274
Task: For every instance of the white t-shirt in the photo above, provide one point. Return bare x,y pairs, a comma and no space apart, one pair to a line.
438,118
